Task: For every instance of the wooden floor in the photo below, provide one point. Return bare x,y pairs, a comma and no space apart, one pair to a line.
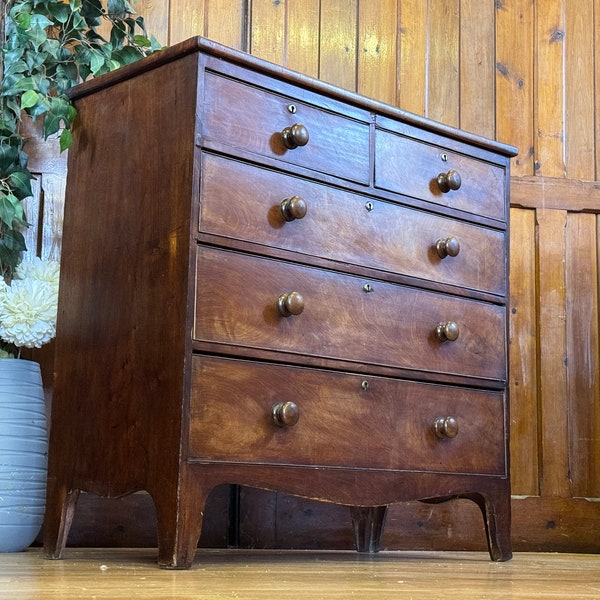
299,575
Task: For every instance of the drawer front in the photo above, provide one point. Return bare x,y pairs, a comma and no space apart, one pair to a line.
344,317
250,118
410,167
241,201
344,420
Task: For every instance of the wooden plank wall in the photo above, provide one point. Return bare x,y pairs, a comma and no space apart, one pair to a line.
523,72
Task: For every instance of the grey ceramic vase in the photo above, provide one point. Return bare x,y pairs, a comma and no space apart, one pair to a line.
23,453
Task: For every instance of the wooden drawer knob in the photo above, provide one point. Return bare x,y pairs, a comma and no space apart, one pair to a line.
448,247
294,136
449,181
447,332
285,414
293,208
445,427
290,304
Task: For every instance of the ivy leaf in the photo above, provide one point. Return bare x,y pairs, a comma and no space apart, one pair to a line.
127,55
21,181
117,37
61,12
91,10
119,7
141,40
14,241
29,99
9,158
51,124
40,108
8,208
23,84
96,62
66,140
23,20
155,45
41,21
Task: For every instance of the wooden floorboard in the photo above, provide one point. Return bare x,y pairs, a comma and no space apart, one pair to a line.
115,574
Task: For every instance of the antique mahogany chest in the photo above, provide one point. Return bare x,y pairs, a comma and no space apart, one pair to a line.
272,282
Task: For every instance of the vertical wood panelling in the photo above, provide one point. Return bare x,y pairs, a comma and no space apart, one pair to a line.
477,67
582,355
377,49
552,382
412,48
156,17
302,36
186,19
523,352
549,90
226,21
596,52
267,30
443,56
514,80
337,60
579,90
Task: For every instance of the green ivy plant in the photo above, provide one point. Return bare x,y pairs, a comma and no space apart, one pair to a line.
50,46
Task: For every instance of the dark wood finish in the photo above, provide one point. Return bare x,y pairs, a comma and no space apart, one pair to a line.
346,420
404,164
242,202
368,522
362,323
146,304
251,118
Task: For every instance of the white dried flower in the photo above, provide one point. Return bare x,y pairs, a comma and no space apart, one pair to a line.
40,270
28,307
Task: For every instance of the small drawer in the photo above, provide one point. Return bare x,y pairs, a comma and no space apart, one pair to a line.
275,210
251,412
435,174
242,300
241,116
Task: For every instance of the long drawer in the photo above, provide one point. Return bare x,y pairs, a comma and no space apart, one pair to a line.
242,201
252,118
240,299
343,420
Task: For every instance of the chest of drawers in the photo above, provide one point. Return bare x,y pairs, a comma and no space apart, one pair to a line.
271,282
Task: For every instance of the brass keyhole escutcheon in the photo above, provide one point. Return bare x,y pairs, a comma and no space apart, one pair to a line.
368,288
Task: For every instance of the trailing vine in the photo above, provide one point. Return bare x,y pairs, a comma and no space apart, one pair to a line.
50,46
